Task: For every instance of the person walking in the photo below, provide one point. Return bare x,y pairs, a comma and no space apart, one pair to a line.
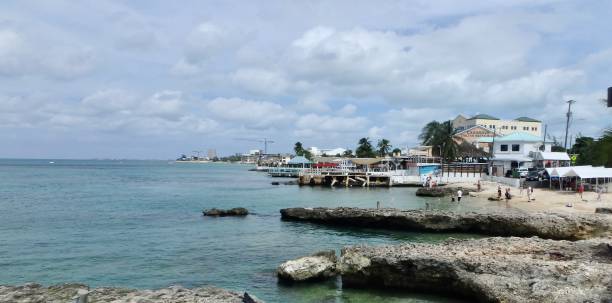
599,190
459,195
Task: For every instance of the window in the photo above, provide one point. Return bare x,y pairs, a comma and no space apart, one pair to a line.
525,127
516,147
534,128
513,127
505,127
503,147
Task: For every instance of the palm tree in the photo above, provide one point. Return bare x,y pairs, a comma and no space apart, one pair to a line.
365,149
440,135
348,153
384,146
298,148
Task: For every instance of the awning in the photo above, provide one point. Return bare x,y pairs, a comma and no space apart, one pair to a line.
552,156
588,172
299,160
518,158
365,161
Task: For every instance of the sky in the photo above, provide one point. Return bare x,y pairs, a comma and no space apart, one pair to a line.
155,79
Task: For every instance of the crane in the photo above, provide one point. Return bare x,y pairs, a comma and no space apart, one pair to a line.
265,141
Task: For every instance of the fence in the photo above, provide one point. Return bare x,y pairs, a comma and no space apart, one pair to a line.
503,180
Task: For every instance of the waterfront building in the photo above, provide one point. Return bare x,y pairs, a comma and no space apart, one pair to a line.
500,127
212,154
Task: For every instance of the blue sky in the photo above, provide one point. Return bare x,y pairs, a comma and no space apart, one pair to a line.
154,79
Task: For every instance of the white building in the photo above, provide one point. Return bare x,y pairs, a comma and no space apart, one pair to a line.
514,151
315,151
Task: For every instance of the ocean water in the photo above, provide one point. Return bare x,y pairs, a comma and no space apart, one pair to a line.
139,224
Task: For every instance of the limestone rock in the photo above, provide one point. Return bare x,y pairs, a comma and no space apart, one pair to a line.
497,269
441,191
319,266
36,293
503,223
603,210
237,211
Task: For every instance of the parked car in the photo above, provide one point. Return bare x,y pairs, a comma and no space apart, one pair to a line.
533,176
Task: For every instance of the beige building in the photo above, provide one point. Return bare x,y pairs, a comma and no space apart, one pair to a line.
499,126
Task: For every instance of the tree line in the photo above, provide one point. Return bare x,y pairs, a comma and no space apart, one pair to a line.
365,149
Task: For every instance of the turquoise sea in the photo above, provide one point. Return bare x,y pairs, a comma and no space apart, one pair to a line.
139,224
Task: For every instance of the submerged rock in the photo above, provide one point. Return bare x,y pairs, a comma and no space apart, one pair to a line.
507,223
36,293
319,266
214,212
488,270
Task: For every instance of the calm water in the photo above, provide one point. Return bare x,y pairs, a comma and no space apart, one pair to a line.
139,224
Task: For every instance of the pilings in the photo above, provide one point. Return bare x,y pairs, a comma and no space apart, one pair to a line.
345,179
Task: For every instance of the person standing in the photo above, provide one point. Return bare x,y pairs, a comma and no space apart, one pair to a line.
581,190
459,194
478,186
529,191
499,192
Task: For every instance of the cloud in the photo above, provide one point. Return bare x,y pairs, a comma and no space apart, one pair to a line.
250,113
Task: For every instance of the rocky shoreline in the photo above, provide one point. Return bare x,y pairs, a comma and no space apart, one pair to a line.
485,270
510,223
488,270
63,293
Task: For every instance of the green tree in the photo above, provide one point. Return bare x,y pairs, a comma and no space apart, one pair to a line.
365,149
584,148
298,148
384,146
441,137
396,151
348,153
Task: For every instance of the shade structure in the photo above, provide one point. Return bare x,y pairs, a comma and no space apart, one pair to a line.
299,160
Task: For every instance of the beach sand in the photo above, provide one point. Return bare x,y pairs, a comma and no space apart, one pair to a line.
546,200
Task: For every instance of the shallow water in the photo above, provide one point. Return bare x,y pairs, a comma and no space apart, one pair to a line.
139,224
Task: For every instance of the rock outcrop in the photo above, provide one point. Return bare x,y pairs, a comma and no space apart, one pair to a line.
35,293
318,266
441,191
525,270
507,223
603,210
237,211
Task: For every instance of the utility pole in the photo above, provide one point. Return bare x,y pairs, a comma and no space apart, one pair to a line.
569,115
545,130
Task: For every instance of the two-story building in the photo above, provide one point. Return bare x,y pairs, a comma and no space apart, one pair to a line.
514,150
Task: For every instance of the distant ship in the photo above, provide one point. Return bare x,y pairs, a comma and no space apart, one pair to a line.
192,159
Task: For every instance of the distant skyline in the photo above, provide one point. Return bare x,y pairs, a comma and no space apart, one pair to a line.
154,79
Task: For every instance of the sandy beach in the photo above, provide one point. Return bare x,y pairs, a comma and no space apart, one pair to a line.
545,199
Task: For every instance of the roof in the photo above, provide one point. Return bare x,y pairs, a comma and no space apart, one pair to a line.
299,160
485,139
484,117
365,161
518,136
526,119
473,127
561,156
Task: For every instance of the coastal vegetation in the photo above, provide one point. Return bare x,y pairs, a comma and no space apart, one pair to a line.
591,151
441,136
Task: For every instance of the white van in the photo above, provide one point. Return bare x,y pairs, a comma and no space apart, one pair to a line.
523,171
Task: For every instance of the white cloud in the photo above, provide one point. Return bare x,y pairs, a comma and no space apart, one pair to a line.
249,113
